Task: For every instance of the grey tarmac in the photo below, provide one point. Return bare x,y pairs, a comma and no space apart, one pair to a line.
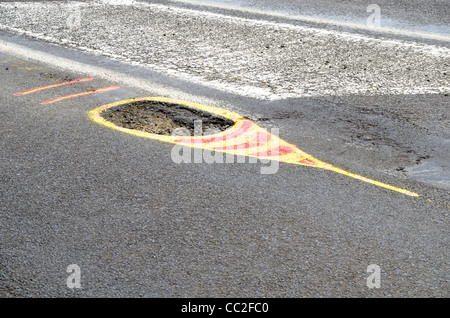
140,225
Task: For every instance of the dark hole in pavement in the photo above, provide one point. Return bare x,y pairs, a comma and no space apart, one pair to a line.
163,118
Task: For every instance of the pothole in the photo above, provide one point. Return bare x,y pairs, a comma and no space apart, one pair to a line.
164,118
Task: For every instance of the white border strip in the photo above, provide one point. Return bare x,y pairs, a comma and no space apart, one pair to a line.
311,19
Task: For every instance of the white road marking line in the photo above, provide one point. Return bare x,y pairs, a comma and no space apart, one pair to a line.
311,19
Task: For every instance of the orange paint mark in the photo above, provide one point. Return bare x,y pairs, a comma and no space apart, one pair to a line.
94,91
39,89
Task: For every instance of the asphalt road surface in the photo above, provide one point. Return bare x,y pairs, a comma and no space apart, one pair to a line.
371,100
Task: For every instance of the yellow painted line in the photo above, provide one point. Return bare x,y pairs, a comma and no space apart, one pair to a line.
243,138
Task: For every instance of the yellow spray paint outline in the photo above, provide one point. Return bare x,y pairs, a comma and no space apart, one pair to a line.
244,131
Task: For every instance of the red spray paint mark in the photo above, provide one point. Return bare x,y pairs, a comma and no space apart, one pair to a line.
94,91
308,162
279,151
245,127
39,89
259,140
